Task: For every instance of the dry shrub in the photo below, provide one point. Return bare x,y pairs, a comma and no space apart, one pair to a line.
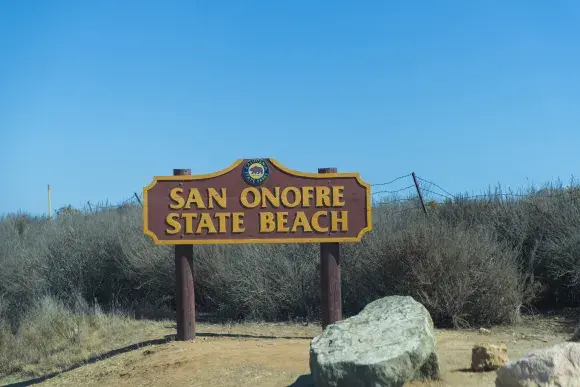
463,276
471,262
269,282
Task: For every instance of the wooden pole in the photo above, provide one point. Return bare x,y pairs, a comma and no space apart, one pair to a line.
419,193
138,199
49,204
184,285
331,298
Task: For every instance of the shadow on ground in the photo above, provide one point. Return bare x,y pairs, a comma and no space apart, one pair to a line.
245,335
303,381
93,359
133,347
468,370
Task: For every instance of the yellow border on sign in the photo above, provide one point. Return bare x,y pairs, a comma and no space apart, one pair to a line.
368,228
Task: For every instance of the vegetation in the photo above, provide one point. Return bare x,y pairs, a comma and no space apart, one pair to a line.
477,261
53,336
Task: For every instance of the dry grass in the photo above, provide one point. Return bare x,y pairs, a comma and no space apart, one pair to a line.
53,337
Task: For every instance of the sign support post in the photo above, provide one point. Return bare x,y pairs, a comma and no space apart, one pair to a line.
330,292
184,285
256,201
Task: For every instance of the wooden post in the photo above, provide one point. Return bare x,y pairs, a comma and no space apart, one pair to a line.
419,193
331,298
49,203
184,289
138,199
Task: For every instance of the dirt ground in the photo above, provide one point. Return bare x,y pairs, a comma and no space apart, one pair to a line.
277,355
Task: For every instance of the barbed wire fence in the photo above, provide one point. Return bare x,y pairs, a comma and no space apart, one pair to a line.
133,200
428,194
405,193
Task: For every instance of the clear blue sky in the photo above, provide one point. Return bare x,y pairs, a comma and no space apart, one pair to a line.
97,97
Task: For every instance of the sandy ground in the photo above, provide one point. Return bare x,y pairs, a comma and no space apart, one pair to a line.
277,355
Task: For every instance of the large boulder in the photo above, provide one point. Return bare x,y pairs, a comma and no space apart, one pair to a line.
390,342
557,366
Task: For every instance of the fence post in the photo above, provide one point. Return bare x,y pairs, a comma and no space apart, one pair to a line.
49,203
138,199
331,298
419,193
184,285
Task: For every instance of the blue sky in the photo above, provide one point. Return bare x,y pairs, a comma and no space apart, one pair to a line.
98,97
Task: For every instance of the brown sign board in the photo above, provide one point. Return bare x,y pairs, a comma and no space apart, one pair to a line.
257,201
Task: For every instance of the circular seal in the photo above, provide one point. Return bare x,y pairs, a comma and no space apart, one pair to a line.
255,171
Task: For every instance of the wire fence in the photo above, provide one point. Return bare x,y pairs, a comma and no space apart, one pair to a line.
426,192
410,197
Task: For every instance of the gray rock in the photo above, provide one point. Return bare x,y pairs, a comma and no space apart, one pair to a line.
556,366
390,342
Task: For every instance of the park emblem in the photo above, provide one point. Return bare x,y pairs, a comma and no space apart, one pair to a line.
255,171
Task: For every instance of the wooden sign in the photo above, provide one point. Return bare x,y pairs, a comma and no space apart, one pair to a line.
257,201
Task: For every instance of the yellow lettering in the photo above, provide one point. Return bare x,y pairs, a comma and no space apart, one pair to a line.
307,196
244,197
222,217
282,222
189,221
339,217
315,222
322,196
174,195
337,196
238,222
273,198
205,222
195,198
267,222
285,201
214,196
171,220
301,221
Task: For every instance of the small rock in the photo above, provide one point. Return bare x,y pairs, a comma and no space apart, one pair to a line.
556,366
488,357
